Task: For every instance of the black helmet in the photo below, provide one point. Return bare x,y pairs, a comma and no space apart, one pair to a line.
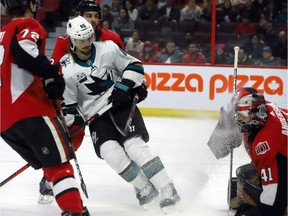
12,4
88,5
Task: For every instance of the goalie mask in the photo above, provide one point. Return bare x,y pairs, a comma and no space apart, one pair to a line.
81,33
250,109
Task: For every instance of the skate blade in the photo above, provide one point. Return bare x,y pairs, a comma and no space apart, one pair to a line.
168,209
149,206
45,199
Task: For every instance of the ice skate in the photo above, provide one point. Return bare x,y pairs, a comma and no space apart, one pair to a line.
168,198
46,194
146,195
85,212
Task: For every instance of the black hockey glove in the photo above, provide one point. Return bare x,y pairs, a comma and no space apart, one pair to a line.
141,91
121,94
53,83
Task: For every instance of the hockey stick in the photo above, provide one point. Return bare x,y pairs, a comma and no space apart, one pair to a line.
125,131
61,116
22,169
236,51
14,175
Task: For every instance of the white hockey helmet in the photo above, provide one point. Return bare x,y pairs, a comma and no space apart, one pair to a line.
79,28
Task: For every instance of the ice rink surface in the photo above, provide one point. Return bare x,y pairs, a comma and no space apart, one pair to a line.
200,178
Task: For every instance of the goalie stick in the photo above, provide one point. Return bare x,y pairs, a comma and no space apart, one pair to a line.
22,169
236,51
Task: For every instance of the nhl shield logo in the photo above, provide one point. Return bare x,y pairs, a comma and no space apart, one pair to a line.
262,148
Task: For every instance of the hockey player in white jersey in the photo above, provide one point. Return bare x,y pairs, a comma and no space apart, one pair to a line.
97,73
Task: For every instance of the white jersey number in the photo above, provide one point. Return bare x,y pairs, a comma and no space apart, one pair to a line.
266,174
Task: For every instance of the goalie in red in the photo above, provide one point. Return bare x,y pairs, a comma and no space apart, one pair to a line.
262,185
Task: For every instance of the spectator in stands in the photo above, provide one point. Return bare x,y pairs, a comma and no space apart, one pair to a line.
160,3
262,27
206,7
148,54
267,58
254,48
238,3
115,7
280,49
245,26
188,38
134,45
271,12
172,55
106,14
270,35
169,12
160,46
252,10
243,58
131,9
105,25
123,25
260,5
191,12
221,56
227,13
194,55
149,11
282,17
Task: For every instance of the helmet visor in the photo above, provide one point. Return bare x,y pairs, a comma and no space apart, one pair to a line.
84,43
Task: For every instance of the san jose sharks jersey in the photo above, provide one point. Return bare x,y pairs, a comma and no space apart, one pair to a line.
90,83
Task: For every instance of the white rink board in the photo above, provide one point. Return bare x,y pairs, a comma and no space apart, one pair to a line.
209,88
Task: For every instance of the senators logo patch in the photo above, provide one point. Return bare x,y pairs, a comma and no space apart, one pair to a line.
262,148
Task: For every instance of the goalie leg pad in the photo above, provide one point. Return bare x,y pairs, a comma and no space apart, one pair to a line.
233,194
248,185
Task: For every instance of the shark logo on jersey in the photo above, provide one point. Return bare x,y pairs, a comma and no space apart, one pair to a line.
99,85
65,62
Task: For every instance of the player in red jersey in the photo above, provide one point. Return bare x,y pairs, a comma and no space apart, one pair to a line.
265,133
91,11
29,84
